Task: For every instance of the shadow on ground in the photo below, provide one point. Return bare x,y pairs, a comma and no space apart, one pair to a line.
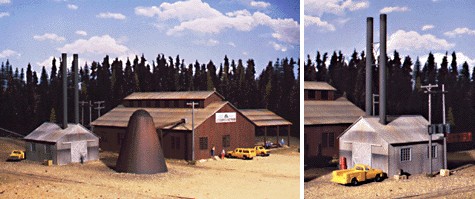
109,159
458,159
314,173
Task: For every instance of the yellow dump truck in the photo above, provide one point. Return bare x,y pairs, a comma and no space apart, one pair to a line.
17,155
243,153
359,173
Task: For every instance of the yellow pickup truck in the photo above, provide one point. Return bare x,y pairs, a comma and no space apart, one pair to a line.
359,173
260,150
17,155
243,153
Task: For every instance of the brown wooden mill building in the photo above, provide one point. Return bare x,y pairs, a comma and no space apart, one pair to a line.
216,122
326,118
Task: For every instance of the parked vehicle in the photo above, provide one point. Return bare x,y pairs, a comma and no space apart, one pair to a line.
359,173
243,153
17,155
262,151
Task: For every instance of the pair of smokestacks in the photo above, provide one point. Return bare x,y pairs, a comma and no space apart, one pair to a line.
75,69
382,67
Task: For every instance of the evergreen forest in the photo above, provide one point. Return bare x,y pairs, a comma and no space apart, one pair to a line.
28,98
404,80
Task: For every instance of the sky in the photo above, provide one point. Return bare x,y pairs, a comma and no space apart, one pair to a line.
414,28
34,31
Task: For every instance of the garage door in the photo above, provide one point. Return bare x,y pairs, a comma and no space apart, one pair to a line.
78,149
361,153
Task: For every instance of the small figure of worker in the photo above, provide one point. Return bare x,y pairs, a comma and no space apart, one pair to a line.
212,151
282,142
222,154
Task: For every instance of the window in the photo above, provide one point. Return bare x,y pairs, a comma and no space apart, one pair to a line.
203,143
434,151
324,95
226,140
328,140
325,140
175,142
311,94
47,149
120,137
331,139
33,146
405,154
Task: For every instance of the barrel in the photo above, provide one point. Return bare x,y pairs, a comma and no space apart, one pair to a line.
342,162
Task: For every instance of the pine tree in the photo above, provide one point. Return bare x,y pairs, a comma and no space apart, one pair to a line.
52,117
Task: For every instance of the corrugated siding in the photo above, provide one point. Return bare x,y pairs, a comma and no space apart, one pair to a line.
311,85
403,129
51,132
340,111
193,95
264,117
164,118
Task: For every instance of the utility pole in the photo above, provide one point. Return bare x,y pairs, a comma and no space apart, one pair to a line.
90,113
82,103
99,107
192,104
444,122
429,92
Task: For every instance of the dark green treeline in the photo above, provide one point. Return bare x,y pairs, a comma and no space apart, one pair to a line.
26,102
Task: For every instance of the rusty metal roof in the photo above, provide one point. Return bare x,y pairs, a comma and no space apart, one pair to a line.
402,129
311,85
192,95
264,117
164,118
340,111
51,132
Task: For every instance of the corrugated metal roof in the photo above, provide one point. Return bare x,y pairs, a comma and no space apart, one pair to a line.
192,95
264,117
402,129
340,111
311,85
164,118
51,132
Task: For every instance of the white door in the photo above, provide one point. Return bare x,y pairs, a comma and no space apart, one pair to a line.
361,153
78,149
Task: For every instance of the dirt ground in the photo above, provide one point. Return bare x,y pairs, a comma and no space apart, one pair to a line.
276,176
460,184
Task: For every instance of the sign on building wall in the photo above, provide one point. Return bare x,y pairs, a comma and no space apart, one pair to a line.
226,117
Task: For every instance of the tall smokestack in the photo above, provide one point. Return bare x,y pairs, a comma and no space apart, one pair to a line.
64,68
76,88
369,63
382,69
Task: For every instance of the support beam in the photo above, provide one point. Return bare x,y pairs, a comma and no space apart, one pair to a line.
265,135
288,135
